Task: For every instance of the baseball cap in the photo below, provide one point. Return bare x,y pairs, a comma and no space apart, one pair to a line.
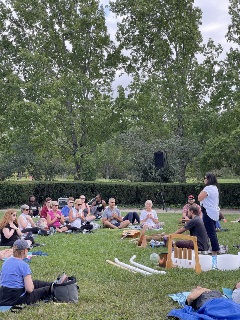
21,244
191,197
24,206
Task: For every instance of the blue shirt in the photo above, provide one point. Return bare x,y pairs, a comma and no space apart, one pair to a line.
65,211
13,272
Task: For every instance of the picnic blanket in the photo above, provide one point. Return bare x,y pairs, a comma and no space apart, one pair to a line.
215,309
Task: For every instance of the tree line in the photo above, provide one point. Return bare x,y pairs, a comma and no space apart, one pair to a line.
58,111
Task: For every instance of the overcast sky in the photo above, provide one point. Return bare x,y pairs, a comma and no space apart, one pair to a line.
215,21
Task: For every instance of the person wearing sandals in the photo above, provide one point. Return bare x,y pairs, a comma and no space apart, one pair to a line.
16,279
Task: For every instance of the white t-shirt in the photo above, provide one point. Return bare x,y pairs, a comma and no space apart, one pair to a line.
76,223
211,202
149,221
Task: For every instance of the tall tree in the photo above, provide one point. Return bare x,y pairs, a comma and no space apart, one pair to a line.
63,59
163,41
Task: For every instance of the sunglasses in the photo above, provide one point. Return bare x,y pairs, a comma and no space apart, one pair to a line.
55,205
14,214
71,202
78,204
26,209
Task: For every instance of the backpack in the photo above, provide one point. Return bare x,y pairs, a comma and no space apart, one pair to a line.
66,291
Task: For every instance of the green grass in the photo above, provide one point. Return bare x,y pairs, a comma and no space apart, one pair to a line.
107,292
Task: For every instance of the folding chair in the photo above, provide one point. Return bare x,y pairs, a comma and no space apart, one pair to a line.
181,254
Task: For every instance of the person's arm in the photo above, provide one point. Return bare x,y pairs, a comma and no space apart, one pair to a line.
28,283
202,195
31,222
61,219
195,294
9,233
22,223
50,221
180,231
118,216
154,217
104,204
142,219
88,208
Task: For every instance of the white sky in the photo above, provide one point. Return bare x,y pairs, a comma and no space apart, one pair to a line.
215,21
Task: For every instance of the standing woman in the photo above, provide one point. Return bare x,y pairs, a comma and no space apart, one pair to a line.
209,200
10,231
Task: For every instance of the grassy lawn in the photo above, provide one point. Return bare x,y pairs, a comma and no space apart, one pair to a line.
107,292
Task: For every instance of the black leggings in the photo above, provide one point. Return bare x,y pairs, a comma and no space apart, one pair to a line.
41,291
132,216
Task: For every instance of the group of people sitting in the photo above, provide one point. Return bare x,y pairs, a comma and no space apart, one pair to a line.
76,215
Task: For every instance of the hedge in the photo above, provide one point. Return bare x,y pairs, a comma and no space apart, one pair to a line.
126,193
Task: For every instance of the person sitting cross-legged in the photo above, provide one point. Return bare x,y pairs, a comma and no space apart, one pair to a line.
112,218
55,218
148,217
25,221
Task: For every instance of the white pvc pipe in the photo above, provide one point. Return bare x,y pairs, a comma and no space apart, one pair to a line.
132,268
141,266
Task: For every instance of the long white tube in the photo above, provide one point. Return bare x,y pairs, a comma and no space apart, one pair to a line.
132,268
141,266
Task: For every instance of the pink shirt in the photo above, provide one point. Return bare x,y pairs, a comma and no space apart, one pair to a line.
57,223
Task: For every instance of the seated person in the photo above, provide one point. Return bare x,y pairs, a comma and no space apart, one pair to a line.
46,207
196,227
25,222
112,218
98,206
191,200
66,209
86,209
10,232
76,216
16,277
148,217
55,218
34,207
133,217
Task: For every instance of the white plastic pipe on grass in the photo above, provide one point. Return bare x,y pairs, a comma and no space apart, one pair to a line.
128,266
141,266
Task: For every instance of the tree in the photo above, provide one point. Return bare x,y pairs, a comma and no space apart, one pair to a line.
63,59
163,41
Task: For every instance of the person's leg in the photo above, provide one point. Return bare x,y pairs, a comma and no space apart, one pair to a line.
210,226
129,216
136,217
42,291
124,224
108,224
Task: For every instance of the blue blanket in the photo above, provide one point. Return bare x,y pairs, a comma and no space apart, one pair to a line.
215,309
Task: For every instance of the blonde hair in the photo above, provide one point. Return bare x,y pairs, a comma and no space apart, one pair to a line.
18,253
5,219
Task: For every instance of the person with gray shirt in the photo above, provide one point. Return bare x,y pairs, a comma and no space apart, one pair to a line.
112,218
